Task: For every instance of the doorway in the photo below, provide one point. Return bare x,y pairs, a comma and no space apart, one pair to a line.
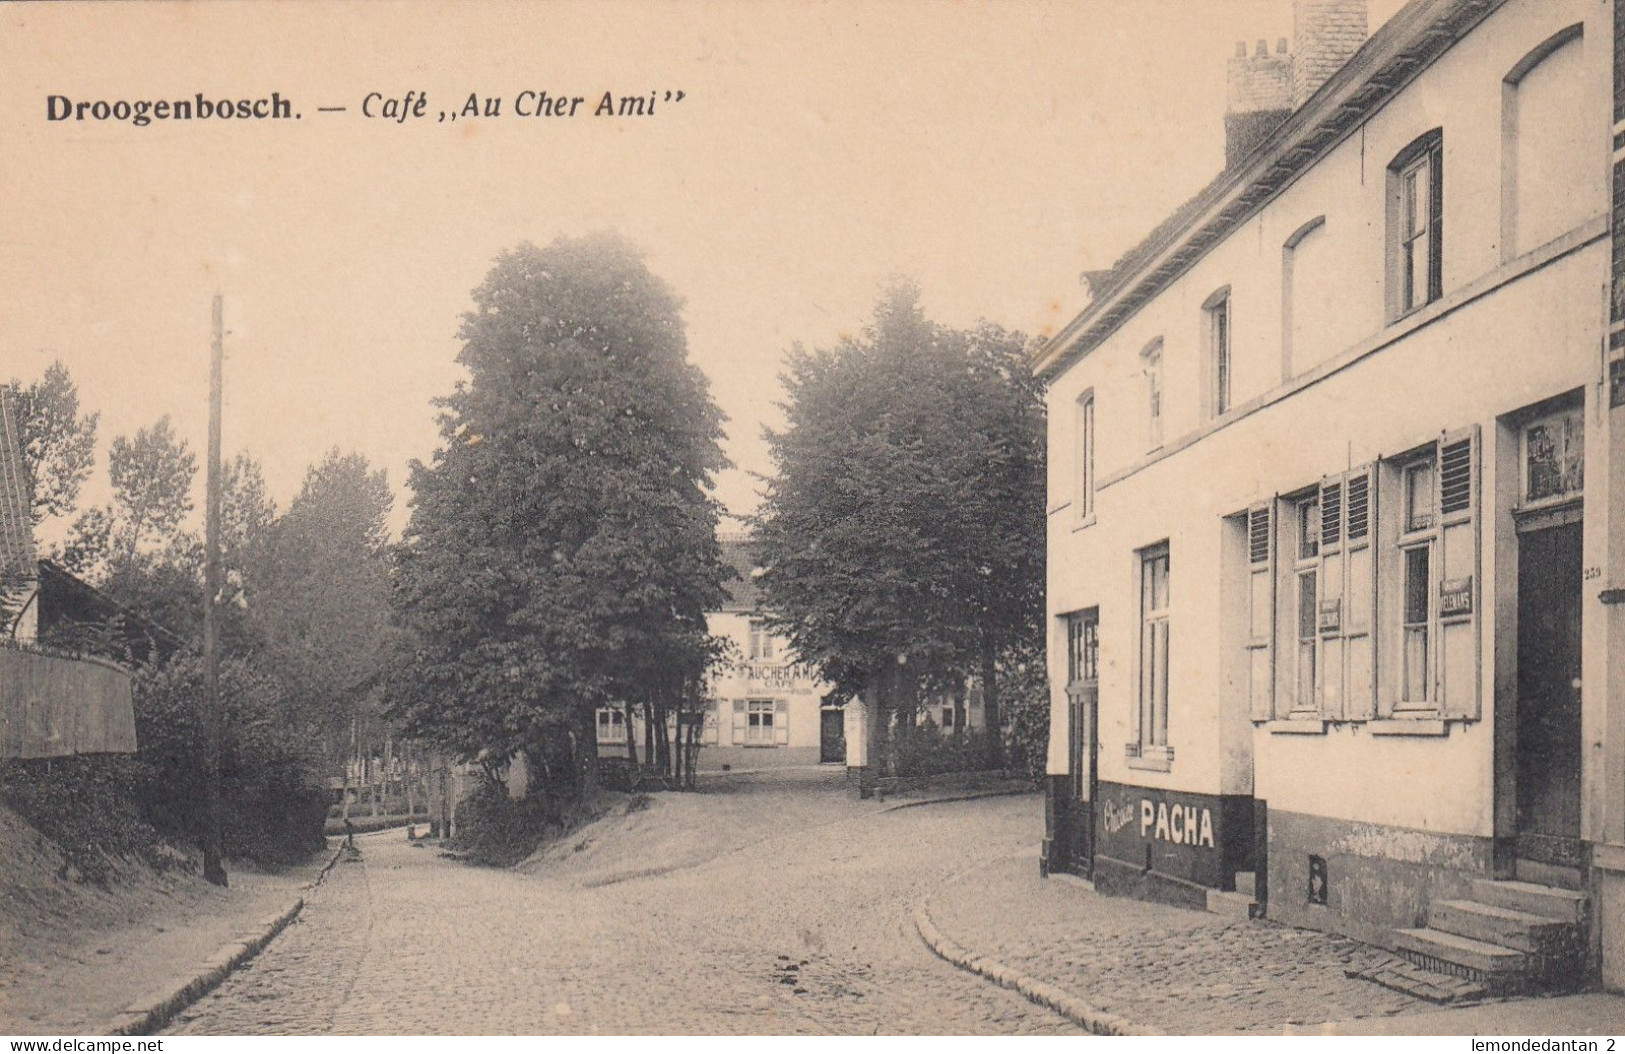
1083,699
1548,725
831,735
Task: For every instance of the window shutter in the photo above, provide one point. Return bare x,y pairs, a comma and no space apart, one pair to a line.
1456,603
781,722
1261,613
1330,600
741,723
1360,593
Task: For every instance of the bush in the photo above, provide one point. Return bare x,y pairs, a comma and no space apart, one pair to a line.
273,803
498,830
1026,717
86,806
926,750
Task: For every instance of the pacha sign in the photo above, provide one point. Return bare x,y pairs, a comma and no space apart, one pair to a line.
1180,824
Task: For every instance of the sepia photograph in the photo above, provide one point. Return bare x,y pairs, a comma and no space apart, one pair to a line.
776,518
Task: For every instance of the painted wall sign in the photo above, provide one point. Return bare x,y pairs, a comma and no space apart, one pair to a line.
1173,822
1331,615
1456,596
1115,817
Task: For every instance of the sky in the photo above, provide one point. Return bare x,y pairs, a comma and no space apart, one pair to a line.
990,151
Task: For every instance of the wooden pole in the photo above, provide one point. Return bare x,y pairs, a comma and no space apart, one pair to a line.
214,868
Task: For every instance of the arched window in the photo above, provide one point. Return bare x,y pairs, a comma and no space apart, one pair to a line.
1151,363
1551,170
1216,347
1086,455
1416,225
1299,321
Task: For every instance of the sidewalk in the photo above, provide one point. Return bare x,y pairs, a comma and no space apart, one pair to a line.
1189,972
70,977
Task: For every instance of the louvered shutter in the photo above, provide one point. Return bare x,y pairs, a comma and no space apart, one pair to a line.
741,726
781,722
1261,613
1360,593
1456,608
1330,603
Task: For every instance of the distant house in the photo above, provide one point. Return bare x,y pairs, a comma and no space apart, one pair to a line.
763,708
52,703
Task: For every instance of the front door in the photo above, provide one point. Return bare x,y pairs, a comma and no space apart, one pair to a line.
1083,697
1548,745
832,735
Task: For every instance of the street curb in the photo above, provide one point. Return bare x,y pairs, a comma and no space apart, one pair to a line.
1045,995
1004,792
149,1014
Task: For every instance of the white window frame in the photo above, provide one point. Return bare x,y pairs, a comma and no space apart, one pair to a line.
616,723
1152,749
1218,343
1416,226
1086,452
759,643
1305,524
759,722
1151,361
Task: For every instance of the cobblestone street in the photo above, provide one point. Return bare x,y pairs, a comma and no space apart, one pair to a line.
762,905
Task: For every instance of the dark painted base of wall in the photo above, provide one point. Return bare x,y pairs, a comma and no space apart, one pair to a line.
1119,878
1068,830
1378,878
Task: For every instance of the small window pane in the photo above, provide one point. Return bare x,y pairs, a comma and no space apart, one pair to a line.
1308,529
1419,496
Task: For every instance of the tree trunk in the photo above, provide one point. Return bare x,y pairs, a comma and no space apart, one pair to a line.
584,748
991,717
648,731
631,736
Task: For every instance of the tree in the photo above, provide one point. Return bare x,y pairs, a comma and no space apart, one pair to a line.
316,588
58,444
903,534
562,550
136,548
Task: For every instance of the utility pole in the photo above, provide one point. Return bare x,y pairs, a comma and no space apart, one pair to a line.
214,868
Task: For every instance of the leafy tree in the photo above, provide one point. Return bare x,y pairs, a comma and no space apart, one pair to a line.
903,534
562,549
58,443
316,589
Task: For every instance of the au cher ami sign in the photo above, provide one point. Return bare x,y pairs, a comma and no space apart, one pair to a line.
1180,824
393,107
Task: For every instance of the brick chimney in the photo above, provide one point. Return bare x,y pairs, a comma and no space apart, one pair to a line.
1326,34
1259,90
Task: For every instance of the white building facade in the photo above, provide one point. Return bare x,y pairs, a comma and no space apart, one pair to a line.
1335,530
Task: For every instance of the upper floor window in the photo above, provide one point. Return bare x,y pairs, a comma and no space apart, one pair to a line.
1154,602
760,641
1217,339
1550,179
1152,357
1086,455
1415,224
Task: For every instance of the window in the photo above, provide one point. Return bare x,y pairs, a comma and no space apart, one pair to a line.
611,725
1154,595
759,722
761,640
1429,584
1216,316
1415,224
947,717
1152,357
1086,456
1306,571
1418,616
1554,457
1082,649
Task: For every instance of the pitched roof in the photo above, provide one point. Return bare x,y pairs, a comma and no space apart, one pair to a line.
744,592
16,502
1410,41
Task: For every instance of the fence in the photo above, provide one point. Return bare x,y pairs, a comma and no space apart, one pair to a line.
54,706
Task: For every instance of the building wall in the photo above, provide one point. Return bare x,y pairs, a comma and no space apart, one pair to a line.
1323,380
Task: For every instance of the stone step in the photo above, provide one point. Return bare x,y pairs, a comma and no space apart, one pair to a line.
1475,959
1543,874
1508,927
1247,882
1232,905
1565,905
